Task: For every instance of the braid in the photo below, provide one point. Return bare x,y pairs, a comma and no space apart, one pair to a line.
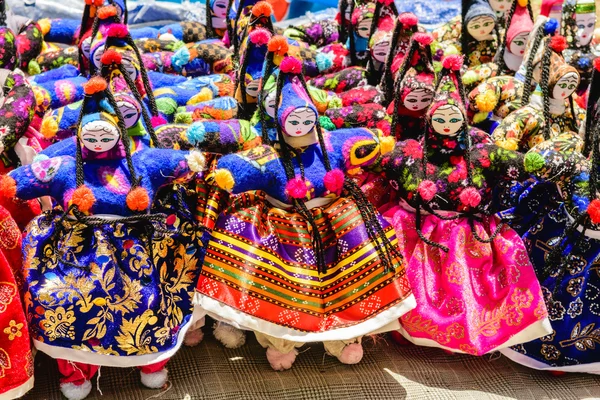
387,80
241,85
343,4
145,79
95,28
262,111
592,107
79,176
375,19
208,15
235,40
500,55
545,93
595,155
465,35
2,13
84,18
404,67
228,20
537,40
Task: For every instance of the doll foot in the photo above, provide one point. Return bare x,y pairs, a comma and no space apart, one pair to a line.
557,373
450,353
76,392
229,336
281,361
399,339
351,354
155,380
193,338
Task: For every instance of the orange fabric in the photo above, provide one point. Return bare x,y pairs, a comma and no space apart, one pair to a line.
280,8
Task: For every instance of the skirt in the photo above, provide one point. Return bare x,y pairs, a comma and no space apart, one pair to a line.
260,273
113,293
477,297
571,289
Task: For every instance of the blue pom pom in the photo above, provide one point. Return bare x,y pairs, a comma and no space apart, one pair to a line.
584,63
180,58
581,202
550,26
195,133
323,62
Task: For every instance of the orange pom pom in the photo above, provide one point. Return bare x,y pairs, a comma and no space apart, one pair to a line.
96,3
594,211
83,198
107,11
138,199
95,85
262,9
8,187
278,45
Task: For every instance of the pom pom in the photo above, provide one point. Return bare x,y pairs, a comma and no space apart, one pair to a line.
224,179
597,64
326,123
533,162
166,105
408,20
45,25
117,31
424,39
550,27
427,190
451,50
181,58
386,144
523,3
386,2
83,198
486,101
334,181
452,62
262,9
558,43
111,56
183,118
196,161
470,197
296,188
480,117
157,120
470,77
95,85
8,187
107,12
594,211
291,65
195,133
278,45
96,3
49,127
260,36
323,61
138,199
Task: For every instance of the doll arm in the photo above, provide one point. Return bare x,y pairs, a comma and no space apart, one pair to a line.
66,147
499,163
248,170
360,148
59,30
61,122
221,108
162,166
49,177
17,111
556,160
221,136
520,130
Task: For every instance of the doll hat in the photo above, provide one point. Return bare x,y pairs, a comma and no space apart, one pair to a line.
521,22
420,73
550,5
362,12
448,88
293,94
8,58
254,53
570,9
478,8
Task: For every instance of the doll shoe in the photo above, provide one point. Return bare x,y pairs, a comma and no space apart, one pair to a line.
193,338
229,336
155,380
281,361
76,392
351,354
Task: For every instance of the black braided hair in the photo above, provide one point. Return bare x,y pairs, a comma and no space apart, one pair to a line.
527,85
2,12
229,25
592,109
82,28
235,41
211,33
546,58
351,38
404,67
243,110
465,37
268,68
500,54
342,28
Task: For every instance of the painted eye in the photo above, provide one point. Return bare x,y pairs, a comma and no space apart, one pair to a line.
581,26
412,100
106,140
563,85
571,86
294,123
591,25
309,122
455,120
91,140
476,26
439,120
487,24
426,100
519,43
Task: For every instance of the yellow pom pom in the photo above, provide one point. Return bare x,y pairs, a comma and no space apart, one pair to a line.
224,179
508,144
45,25
451,49
386,144
486,101
480,117
522,3
49,127
469,78
204,95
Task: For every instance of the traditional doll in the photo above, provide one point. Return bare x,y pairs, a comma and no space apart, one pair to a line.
520,25
414,90
578,23
379,46
358,41
216,17
475,286
8,56
254,51
301,184
260,16
237,16
551,110
501,7
124,301
479,40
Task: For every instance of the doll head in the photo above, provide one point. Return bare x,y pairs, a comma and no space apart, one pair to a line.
563,81
552,9
578,22
8,57
518,31
129,107
500,6
480,20
362,19
218,9
416,90
380,44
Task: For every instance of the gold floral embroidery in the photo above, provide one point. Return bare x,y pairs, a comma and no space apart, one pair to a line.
489,321
13,330
583,338
550,352
133,336
413,322
4,362
455,274
8,291
59,323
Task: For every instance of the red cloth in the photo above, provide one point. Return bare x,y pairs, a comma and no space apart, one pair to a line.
78,373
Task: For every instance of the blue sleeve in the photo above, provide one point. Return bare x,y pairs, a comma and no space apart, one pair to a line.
62,72
355,149
66,147
62,31
51,177
141,33
160,167
160,79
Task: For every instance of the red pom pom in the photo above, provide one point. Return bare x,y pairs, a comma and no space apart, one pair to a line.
424,39
260,36
117,31
278,45
96,3
83,198
96,84
386,2
138,199
262,9
107,12
558,43
8,187
291,65
408,20
453,62
597,63
334,181
296,188
594,211
157,121
427,190
470,197
111,56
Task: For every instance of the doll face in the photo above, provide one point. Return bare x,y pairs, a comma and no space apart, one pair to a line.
300,122
269,103
481,27
500,5
447,120
85,46
585,28
97,56
517,46
219,8
130,113
565,86
364,28
418,99
381,50
99,136
128,64
252,88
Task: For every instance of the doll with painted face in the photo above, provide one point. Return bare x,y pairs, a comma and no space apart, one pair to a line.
254,50
218,16
113,293
467,269
379,46
301,183
552,9
551,110
479,40
501,7
517,35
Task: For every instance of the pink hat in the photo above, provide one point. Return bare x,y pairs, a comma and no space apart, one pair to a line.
521,22
549,5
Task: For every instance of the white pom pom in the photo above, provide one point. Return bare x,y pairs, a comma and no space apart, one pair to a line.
196,161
